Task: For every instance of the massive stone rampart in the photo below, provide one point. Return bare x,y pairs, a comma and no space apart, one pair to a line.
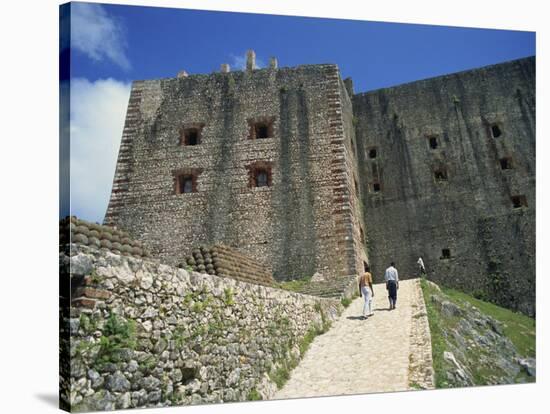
448,174
140,333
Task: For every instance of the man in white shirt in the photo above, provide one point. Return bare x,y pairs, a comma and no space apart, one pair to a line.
392,284
421,267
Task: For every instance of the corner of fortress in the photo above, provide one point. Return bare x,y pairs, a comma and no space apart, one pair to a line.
292,168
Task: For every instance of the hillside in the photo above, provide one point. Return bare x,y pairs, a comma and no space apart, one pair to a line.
476,342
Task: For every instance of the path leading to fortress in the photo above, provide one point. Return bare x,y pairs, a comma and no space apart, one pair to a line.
390,351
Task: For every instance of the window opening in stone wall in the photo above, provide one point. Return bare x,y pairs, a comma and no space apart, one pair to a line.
372,153
433,142
186,184
191,134
440,175
192,137
445,253
261,178
506,163
262,131
495,131
519,201
376,187
259,174
186,180
260,128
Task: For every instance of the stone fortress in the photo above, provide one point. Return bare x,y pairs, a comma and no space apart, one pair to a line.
292,168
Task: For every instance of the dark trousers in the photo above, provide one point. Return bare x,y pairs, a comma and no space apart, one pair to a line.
392,291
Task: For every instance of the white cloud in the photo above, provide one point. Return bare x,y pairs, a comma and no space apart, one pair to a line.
238,62
98,110
97,34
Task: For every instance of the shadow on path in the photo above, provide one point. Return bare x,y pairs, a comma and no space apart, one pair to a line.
50,399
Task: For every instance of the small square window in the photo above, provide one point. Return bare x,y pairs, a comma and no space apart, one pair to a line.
261,128
445,253
432,141
376,187
262,131
519,201
191,135
186,184
440,175
495,131
373,153
186,180
261,177
506,163
259,174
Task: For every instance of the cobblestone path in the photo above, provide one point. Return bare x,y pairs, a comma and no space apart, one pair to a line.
389,351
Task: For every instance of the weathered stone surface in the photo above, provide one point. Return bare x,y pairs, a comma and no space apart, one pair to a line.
288,225
117,382
471,213
216,347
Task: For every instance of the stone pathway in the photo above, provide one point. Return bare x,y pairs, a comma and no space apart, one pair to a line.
359,356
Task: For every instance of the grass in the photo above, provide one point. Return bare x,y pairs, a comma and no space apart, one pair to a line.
438,341
294,285
254,395
519,328
345,302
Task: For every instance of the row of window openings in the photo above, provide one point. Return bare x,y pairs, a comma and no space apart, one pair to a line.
440,175
434,144
187,183
258,130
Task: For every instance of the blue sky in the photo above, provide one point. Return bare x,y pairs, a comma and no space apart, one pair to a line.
111,45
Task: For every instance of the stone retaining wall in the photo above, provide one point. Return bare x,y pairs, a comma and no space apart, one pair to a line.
143,334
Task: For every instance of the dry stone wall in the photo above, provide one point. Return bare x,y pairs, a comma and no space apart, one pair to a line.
154,335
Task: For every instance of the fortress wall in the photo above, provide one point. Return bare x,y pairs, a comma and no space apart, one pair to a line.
290,226
143,334
491,243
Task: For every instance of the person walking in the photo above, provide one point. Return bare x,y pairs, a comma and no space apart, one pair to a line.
421,267
366,290
392,284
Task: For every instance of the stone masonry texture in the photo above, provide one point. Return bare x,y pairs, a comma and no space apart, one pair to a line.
143,334
442,168
491,243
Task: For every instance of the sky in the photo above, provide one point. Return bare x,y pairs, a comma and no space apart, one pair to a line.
111,45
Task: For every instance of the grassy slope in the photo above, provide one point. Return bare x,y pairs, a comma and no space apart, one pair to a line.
519,328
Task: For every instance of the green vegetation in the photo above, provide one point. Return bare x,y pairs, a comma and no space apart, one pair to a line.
296,285
229,298
518,328
438,341
345,302
118,334
282,374
310,336
254,395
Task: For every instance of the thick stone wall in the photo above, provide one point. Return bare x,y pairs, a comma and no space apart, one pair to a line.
471,212
299,225
144,334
